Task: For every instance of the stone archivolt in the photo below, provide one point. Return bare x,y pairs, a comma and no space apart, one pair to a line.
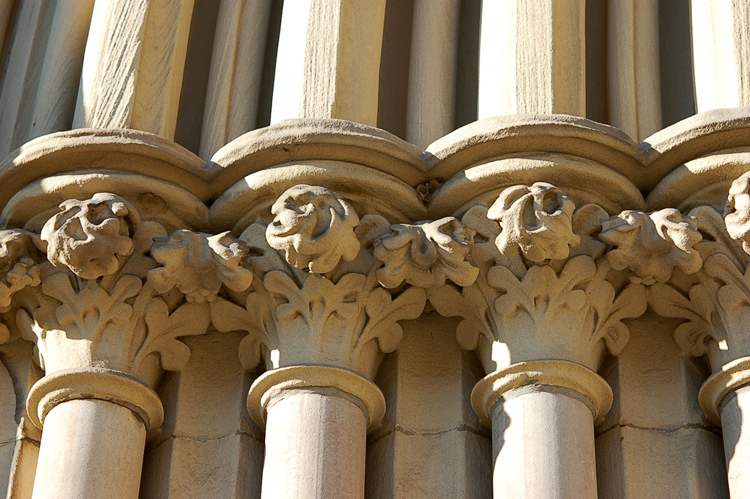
543,270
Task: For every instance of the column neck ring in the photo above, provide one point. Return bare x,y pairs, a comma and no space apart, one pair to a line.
353,386
732,376
555,373
94,383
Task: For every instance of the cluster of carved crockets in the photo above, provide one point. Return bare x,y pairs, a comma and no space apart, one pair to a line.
101,290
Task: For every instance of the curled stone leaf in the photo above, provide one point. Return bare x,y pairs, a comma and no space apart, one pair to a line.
652,245
91,237
197,264
537,220
19,266
426,254
314,228
737,211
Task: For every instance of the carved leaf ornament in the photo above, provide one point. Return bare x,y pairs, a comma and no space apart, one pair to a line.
98,304
716,306
556,272
321,284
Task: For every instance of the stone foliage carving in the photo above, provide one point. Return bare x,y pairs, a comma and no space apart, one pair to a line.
426,254
314,228
737,211
537,220
545,288
652,245
714,303
198,264
91,237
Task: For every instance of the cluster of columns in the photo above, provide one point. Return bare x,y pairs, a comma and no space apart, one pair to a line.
542,287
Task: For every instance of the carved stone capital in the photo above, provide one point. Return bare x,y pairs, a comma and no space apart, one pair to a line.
316,298
106,300
715,303
546,293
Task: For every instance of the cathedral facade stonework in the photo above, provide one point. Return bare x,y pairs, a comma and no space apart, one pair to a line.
374,248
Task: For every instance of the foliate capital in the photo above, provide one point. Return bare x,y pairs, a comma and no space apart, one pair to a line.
544,289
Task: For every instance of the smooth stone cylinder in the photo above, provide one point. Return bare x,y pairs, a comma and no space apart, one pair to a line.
736,432
315,447
543,445
90,448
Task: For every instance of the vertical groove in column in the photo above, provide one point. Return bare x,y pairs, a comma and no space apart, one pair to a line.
721,33
633,66
432,70
290,61
337,75
6,15
236,72
532,58
22,70
60,75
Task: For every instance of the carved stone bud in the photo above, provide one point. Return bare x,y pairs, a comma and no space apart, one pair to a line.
18,267
737,211
198,264
91,237
652,245
314,228
426,254
537,220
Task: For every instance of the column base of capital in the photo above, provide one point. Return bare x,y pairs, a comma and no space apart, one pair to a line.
94,383
327,380
733,375
553,373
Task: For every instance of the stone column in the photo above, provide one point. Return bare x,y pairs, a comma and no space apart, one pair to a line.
95,422
542,415
532,58
716,307
103,333
716,310
554,286
321,308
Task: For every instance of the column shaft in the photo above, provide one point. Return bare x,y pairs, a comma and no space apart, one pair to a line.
736,431
543,444
721,57
333,69
315,448
90,448
531,58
